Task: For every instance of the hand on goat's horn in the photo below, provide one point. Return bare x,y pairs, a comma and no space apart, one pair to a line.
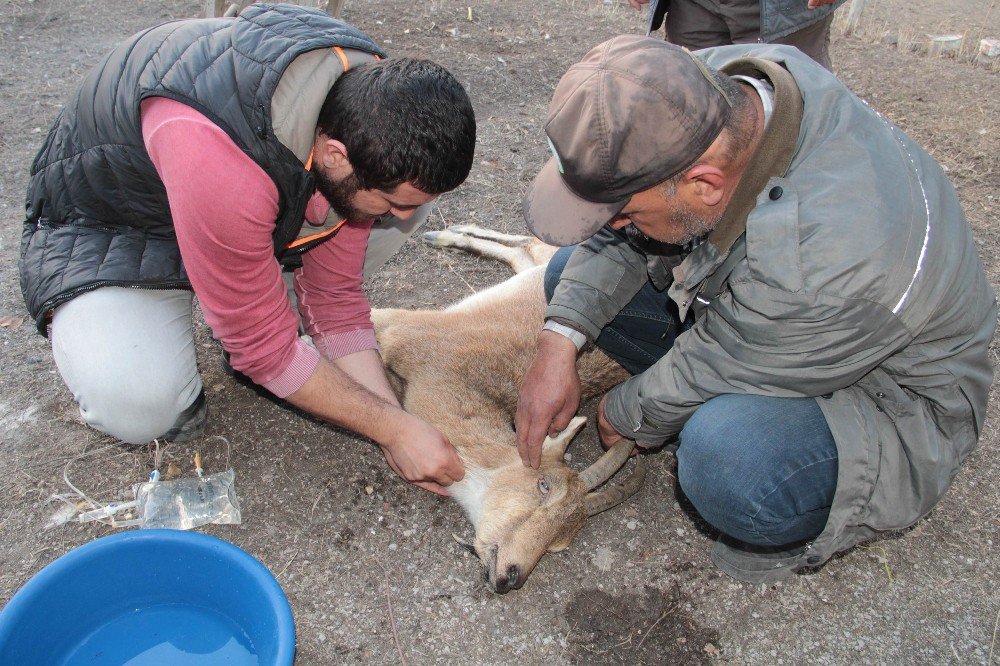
597,502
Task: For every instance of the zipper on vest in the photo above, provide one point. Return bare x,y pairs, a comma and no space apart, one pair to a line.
261,129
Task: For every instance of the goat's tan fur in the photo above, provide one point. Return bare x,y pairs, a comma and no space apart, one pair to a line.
460,369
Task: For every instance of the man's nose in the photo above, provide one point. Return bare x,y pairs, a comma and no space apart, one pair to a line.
403,214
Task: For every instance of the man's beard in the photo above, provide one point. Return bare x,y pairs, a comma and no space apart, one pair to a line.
646,244
695,227
340,195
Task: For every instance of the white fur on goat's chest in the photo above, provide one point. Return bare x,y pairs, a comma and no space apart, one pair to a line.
470,492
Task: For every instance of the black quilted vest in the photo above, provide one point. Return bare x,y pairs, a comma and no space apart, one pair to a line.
97,213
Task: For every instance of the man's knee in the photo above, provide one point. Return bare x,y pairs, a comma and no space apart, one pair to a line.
138,416
554,270
762,470
128,357
709,460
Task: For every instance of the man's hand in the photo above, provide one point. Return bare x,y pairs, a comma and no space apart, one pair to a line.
422,455
609,436
639,3
550,395
354,393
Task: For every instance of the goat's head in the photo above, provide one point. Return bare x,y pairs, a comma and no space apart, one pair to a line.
521,513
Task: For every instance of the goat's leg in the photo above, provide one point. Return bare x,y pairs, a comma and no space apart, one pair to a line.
511,240
518,252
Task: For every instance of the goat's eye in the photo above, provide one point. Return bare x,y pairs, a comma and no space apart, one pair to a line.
543,485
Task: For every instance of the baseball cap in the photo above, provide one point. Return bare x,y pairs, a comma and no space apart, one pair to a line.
634,112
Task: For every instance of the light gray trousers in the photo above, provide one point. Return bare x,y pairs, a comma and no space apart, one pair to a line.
128,355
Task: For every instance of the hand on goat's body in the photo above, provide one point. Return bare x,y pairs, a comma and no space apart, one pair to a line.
550,395
609,436
423,456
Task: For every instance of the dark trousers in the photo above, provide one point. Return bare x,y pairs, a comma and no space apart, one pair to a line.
690,24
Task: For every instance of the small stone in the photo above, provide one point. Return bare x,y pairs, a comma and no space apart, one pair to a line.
369,490
631,524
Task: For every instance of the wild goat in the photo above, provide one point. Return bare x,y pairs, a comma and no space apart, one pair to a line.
460,369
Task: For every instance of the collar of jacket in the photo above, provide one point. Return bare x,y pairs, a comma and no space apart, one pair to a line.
772,158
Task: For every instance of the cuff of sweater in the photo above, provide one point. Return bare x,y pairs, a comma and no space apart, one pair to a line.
303,365
568,316
337,345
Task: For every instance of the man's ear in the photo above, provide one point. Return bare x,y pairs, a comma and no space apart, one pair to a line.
706,182
332,154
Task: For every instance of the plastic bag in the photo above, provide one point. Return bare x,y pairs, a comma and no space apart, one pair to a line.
182,504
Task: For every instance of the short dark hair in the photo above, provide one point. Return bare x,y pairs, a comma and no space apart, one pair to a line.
403,120
740,126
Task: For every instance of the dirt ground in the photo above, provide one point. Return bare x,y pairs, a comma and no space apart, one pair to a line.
348,541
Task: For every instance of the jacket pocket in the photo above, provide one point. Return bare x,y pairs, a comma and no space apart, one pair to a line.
918,453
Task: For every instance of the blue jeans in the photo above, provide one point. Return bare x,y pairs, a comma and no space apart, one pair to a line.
760,469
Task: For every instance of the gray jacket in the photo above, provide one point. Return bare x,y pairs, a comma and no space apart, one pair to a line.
857,283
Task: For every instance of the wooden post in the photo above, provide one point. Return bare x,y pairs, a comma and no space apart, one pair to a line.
215,8
332,7
854,16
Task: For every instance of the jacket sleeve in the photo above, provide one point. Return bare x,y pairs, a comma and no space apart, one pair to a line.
755,339
602,275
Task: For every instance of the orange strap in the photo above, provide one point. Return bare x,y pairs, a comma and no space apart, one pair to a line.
343,57
309,239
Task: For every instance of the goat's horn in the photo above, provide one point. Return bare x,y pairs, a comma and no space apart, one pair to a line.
607,464
597,502
463,543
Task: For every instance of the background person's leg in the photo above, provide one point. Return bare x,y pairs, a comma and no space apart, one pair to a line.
762,470
642,332
690,25
742,19
813,40
128,357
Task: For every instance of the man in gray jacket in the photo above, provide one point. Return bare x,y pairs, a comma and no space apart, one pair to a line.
790,279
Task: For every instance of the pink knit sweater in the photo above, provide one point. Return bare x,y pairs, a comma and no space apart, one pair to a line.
224,209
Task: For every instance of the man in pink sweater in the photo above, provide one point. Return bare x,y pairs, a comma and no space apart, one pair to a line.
356,145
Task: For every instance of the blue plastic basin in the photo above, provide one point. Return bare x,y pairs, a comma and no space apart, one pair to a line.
150,597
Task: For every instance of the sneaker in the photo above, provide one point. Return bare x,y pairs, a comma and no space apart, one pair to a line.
756,564
191,422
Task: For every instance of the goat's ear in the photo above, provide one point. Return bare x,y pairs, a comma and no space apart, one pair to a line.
557,445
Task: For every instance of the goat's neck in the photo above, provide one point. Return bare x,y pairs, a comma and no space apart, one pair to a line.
482,460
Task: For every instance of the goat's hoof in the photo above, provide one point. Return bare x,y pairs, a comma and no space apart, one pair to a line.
436,238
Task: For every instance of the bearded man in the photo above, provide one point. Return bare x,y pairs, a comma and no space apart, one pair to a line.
201,157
